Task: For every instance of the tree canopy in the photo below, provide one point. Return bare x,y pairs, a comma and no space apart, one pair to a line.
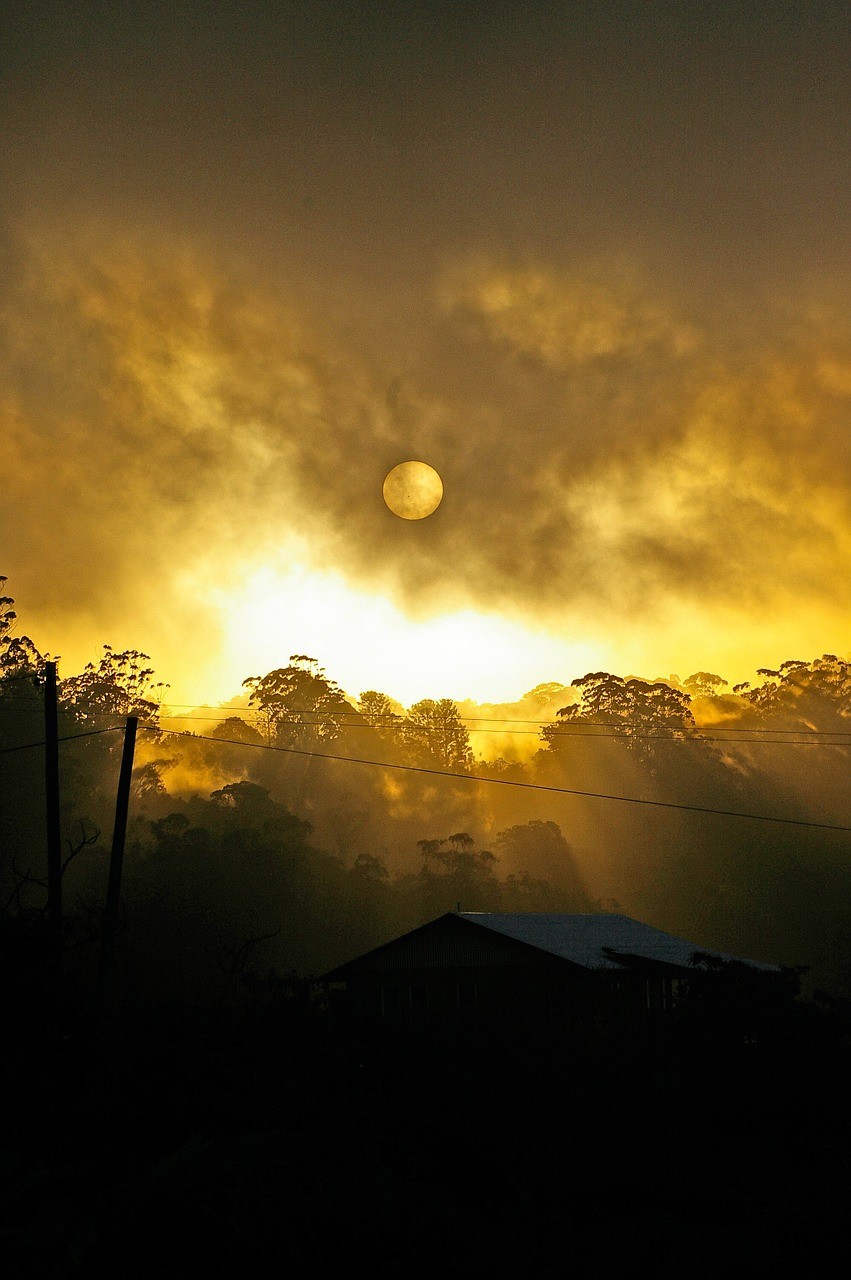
438,736
635,710
229,840
299,705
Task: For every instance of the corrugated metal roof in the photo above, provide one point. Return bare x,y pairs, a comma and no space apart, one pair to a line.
449,942
476,938
595,941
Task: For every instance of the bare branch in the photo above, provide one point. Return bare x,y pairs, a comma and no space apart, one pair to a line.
85,840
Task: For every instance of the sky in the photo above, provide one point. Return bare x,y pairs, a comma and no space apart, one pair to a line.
591,262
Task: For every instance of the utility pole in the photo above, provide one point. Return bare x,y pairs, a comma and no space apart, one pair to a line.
113,889
51,793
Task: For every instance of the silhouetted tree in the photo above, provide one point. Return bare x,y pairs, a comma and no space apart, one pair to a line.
300,706
235,729
455,871
18,655
543,694
537,852
812,695
437,735
379,709
635,710
118,685
703,684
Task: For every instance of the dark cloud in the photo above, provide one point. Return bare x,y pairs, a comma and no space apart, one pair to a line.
591,267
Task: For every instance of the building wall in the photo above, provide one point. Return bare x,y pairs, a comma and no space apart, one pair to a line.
600,1000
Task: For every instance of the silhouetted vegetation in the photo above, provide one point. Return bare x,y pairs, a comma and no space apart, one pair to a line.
217,1113
243,860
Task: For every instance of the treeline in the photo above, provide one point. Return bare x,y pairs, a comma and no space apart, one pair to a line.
264,844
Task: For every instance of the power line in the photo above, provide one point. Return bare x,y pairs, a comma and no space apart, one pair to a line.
28,746
694,735
587,731
388,720
506,782
446,773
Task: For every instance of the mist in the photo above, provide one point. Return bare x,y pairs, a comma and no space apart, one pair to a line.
589,261
592,266
301,824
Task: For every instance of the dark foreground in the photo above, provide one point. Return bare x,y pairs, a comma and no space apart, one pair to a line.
279,1140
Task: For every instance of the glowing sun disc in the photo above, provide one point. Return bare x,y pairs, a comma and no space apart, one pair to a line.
413,490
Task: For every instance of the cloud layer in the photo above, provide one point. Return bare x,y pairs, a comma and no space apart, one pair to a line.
613,316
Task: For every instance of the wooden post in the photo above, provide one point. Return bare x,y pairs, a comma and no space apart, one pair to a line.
113,889
51,793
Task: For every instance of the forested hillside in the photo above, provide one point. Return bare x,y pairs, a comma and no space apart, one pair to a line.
300,825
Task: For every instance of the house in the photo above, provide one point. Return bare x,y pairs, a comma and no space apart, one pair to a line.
600,971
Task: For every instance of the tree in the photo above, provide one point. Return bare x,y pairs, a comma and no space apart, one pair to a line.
22,669
812,695
18,654
370,868
7,614
220,875
538,851
383,725
703,684
635,710
455,871
248,806
438,737
543,694
300,706
235,729
118,685
382,713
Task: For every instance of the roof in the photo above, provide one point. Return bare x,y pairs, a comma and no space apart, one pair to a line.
474,938
598,941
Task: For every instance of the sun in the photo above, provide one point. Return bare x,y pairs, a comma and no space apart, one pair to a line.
413,490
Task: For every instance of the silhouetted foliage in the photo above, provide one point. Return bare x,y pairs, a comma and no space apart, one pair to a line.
293,863
211,1117
235,729
437,736
18,655
636,710
299,706
812,695
118,685
539,855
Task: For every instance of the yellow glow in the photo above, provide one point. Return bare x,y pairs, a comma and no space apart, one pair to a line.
366,643
227,429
